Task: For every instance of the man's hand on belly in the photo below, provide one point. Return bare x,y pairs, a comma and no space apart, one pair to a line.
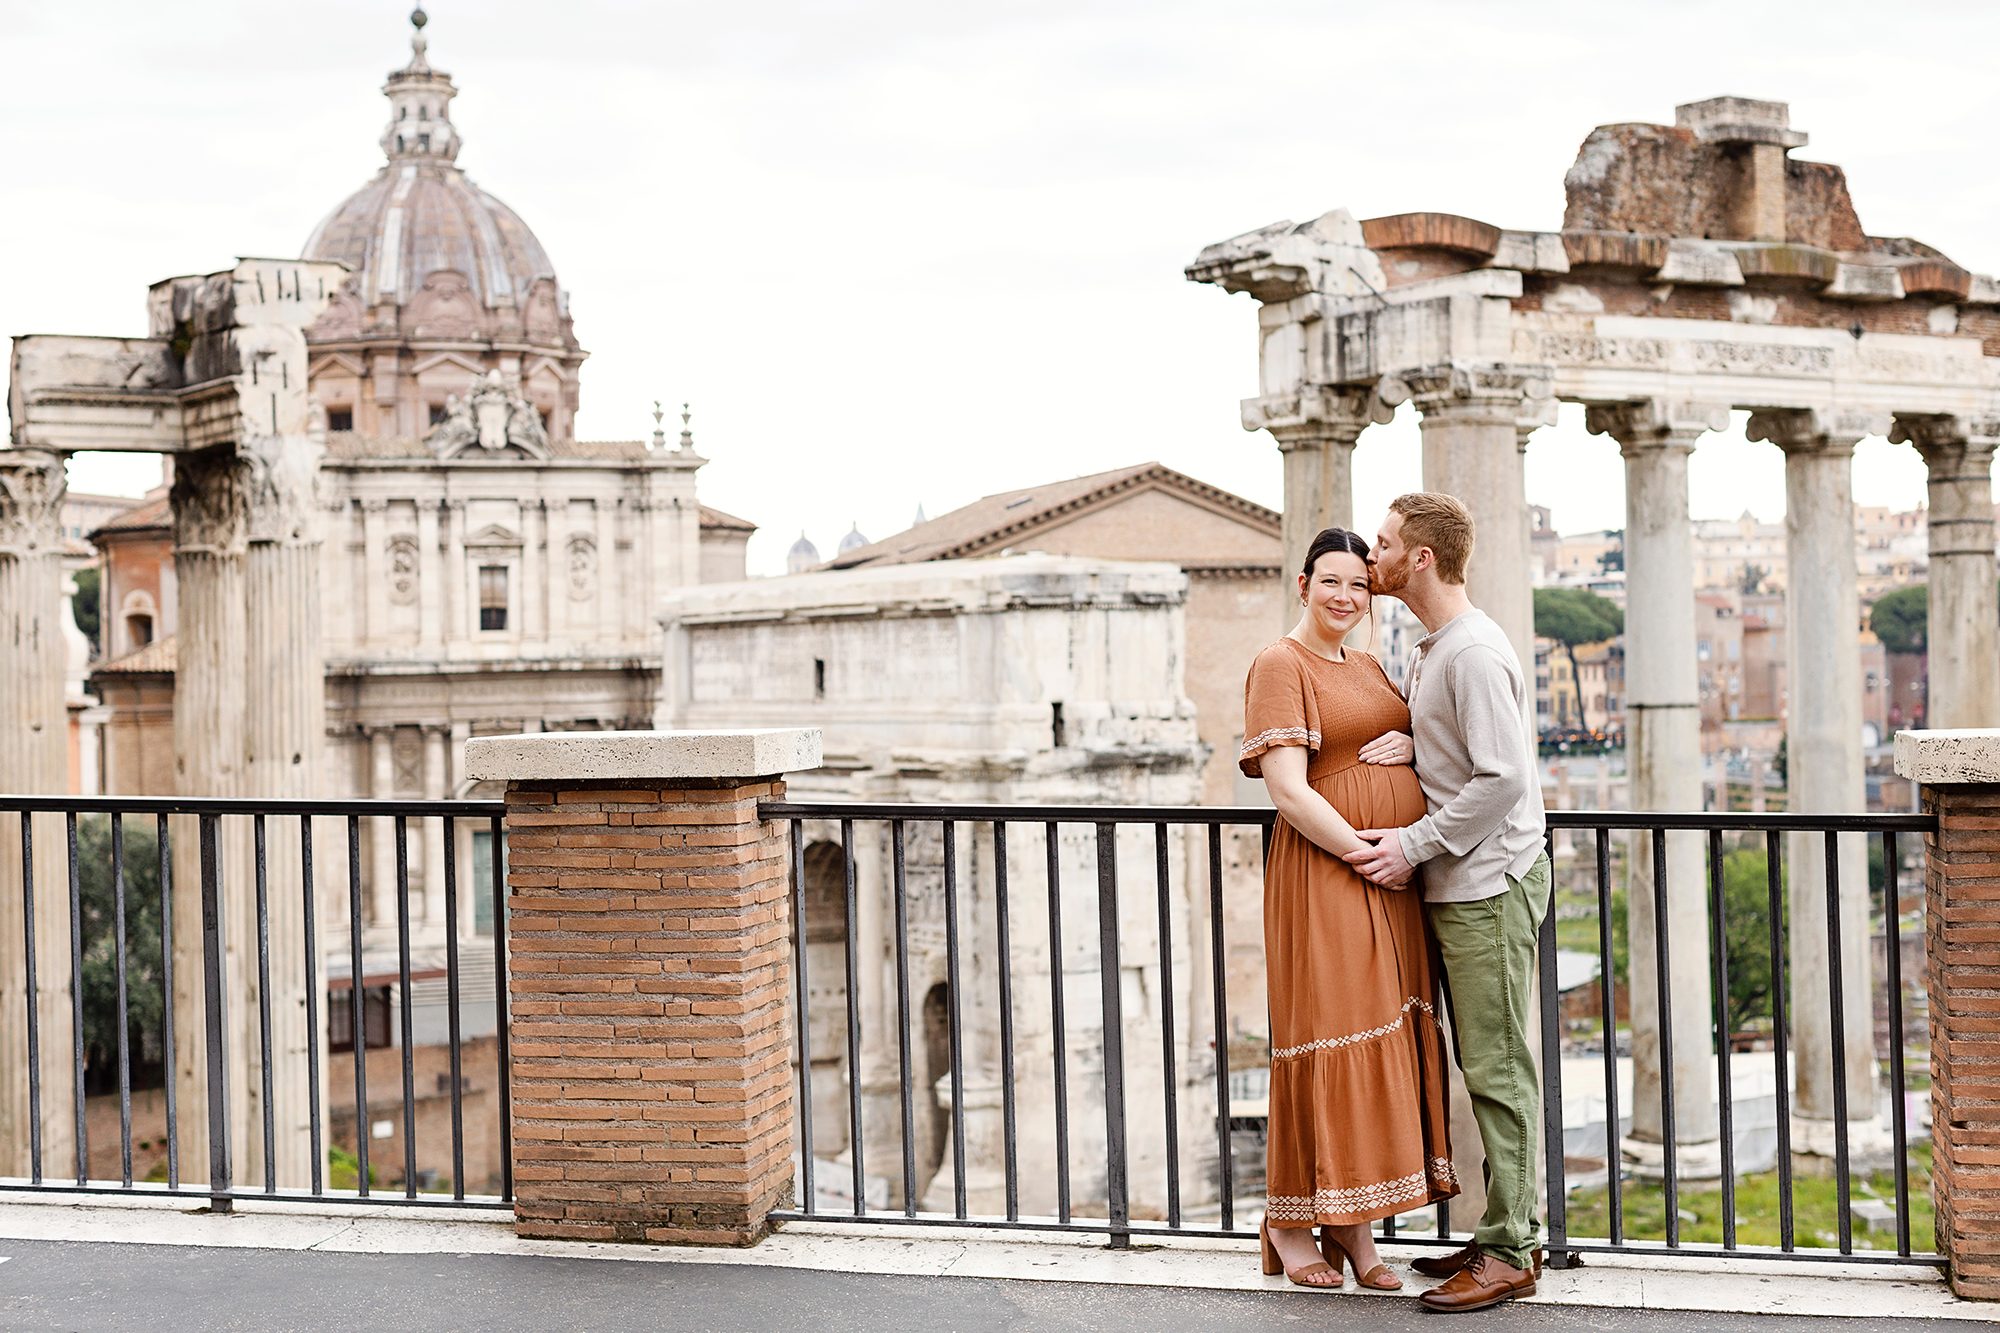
1382,861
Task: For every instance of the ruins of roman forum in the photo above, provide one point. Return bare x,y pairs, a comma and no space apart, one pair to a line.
1700,268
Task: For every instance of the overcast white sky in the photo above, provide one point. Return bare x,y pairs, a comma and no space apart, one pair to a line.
905,251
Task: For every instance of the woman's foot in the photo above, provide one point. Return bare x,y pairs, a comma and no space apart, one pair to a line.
1358,1241
1293,1250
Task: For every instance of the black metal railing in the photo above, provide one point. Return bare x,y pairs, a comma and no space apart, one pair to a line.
246,853
1188,849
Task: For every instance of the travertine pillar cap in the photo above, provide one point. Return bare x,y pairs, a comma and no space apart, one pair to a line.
625,756
1964,755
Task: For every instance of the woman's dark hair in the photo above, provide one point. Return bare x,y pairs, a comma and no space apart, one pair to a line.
1331,540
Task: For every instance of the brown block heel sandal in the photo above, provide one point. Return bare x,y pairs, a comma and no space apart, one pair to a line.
1378,1278
1273,1266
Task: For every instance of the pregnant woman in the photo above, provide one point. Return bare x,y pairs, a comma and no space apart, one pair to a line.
1358,1120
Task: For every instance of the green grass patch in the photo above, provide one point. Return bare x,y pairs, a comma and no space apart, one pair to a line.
1815,1210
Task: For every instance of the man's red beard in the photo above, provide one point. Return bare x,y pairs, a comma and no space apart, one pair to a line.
1390,579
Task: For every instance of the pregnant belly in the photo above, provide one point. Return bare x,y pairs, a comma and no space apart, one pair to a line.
1374,796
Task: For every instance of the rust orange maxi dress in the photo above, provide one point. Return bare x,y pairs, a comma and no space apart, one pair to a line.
1358,1119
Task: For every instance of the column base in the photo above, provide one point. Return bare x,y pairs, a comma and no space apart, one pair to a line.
1692,1161
1870,1144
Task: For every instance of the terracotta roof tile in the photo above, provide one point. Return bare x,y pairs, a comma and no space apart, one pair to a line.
156,658
712,517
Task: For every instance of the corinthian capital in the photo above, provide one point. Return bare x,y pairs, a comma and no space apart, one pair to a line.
31,494
208,504
281,481
1817,430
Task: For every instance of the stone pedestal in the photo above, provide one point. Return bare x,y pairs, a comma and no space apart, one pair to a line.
649,977
1664,725
1823,733
1964,606
34,758
1959,773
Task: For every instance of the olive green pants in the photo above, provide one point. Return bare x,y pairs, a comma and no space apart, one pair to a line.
1488,950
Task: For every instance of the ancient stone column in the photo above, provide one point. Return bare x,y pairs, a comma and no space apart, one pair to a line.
284,736
1823,735
1663,712
34,759
1472,449
1963,639
382,831
1318,449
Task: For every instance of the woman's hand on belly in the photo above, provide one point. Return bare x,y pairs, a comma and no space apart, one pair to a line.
1394,747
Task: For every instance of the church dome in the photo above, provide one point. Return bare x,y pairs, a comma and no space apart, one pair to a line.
803,556
423,237
853,541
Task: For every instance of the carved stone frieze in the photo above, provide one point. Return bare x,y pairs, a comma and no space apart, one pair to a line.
31,495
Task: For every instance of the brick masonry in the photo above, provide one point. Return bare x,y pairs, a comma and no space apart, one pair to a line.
647,949
1963,910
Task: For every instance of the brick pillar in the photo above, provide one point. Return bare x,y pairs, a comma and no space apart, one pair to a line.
1959,772
648,939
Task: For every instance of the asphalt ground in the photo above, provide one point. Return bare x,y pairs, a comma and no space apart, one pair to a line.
87,1285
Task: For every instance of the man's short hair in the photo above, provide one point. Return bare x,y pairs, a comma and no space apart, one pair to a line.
1439,521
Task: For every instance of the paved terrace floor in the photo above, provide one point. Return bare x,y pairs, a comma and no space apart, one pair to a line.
98,1265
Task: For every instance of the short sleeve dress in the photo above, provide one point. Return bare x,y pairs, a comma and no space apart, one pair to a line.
1358,1116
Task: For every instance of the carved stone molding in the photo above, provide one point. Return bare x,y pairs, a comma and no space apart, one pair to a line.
31,495
1814,430
581,555
1656,422
404,559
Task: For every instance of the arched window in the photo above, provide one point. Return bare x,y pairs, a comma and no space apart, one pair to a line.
139,629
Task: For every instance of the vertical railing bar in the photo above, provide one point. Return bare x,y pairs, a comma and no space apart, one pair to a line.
1892,931
1004,942
953,1017
264,1001
1110,978
356,1008
215,995
854,1145
1774,871
1725,1086
407,1024
164,843
76,996
312,1003
1219,983
1061,1043
34,1002
899,893
801,1002
1836,987
1552,1086
1662,975
454,1035
502,1015
124,1004
1170,1101
1608,993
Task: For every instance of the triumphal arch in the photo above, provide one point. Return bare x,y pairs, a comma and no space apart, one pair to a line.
1700,268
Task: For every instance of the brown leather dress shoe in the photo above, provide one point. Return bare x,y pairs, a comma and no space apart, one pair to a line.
1444,1265
1482,1283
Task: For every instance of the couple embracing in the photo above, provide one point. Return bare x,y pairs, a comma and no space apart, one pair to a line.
1408,831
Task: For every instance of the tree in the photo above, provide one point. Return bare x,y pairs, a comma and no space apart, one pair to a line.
85,602
1613,559
1752,581
1573,616
1746,920
1901,619
145,1004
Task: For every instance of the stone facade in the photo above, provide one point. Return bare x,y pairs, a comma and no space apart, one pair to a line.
1025,679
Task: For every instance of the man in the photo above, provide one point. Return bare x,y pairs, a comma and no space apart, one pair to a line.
1486,876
